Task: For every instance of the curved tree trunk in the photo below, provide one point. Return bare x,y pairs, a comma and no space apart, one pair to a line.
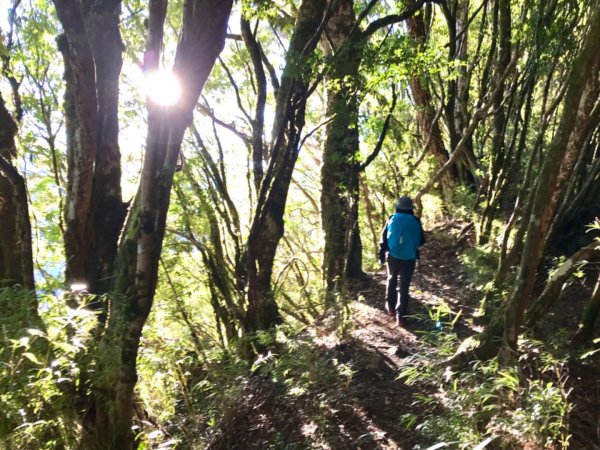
267,225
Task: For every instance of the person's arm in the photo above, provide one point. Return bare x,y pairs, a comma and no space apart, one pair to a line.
383,244
422,239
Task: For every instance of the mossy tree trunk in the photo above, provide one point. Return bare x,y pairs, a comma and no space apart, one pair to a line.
427,119
340,170
340,174
201,40
92,51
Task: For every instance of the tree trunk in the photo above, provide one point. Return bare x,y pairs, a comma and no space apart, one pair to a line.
340,170
202,39
82,135
457,102
267,226
107,207
431,135
499,122
16,255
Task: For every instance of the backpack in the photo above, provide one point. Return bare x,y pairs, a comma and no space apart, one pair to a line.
404,236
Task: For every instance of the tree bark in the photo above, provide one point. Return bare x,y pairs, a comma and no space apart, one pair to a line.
499,121
16,255
431,135
340,170
107,207
457,101
82,135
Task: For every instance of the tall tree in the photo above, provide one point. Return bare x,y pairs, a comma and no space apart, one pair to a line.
201,40
340,170
92,51
340,174
16,254
267,224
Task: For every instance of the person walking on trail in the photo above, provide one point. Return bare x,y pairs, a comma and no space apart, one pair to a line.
400,240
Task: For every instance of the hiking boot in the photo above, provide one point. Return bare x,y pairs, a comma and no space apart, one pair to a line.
388,310
400,321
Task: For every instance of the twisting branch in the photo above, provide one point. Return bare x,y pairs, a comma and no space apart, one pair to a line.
480,114
425,149
207,110
383,134
332,5
236,90
258,123
314,130
393,18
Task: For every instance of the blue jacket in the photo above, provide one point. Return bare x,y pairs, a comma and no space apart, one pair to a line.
401,236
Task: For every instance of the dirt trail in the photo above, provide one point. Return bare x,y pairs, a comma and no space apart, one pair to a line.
437,281
365,411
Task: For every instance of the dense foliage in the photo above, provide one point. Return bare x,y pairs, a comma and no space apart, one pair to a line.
181,259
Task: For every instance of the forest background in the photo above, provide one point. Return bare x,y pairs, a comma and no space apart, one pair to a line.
188,187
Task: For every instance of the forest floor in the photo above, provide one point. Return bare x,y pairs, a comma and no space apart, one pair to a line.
364,409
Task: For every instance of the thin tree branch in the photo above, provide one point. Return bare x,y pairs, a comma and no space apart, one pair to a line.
383,134
207,110
393,18
236,89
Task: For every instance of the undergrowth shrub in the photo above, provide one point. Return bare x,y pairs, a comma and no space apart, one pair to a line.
517,406
292,370
39,368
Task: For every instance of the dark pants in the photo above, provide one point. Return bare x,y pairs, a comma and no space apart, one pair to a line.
397,299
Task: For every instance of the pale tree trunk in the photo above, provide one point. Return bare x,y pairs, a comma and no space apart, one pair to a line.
82,125
573,128
92,52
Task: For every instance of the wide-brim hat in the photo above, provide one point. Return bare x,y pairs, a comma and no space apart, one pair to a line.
404,203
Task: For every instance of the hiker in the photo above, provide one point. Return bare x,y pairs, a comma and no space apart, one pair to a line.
400,240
